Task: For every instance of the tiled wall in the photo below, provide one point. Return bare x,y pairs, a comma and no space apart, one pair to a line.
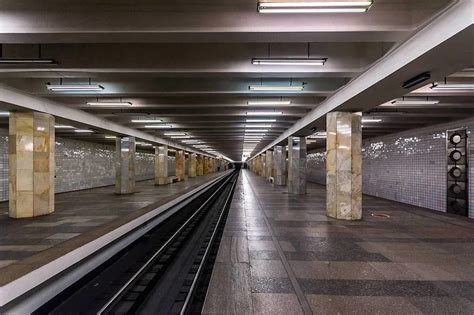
409,167
80,165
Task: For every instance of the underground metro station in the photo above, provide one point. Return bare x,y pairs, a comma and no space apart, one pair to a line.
237,157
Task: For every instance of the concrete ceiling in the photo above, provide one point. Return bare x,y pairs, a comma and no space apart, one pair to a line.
189,62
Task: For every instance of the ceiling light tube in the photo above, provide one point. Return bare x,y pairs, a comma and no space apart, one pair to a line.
289,61
158,126
315,7
110,137
260,120
4,114
366,120
127,104
257,126
264,113
276,88
146,121
269,103
255,130
180,137
452,86
83,131
175,134
316,4
412,102
29,61
74,87
63,127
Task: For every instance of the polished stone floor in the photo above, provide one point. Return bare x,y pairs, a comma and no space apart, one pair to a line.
78,213
280,254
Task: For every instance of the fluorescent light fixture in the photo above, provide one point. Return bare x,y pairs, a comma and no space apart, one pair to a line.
258,126
255,130
452,86
318,135
264,113
158,126
63,127
411,102
366,120
110,137
192,141
145,144
74,87
276,88
269,103
175,134
260,120
180,137
83,130
146,121
29,61
315,7
289,61
126,104
4,114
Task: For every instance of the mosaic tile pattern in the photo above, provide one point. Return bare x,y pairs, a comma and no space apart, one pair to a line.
81,165
408,167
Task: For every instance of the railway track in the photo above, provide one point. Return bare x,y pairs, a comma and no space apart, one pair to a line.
166,271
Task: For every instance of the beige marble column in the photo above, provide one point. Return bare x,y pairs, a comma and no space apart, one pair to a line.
264,165
279,165
269,163
297,165
214,165
31,164
125,165
180,167
344,166
199,165
161,165
192,165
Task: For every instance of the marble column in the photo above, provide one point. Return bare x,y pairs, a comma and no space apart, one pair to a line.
264,165
279,165
161,165
192,165
31,164
269,163
297,165
199,165
125,165
180,167
344,166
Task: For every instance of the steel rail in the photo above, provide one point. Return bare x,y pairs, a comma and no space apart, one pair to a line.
206,254
157,253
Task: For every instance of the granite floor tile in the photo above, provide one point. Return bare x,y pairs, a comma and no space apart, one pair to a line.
271,285
414,262
335,270
267,269
275,304
334,304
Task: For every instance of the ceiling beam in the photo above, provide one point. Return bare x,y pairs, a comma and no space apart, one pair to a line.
23,100
424,51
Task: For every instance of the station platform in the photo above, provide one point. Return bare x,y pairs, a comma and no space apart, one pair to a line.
80,218
280,254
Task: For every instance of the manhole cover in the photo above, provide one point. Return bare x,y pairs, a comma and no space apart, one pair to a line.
381,215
